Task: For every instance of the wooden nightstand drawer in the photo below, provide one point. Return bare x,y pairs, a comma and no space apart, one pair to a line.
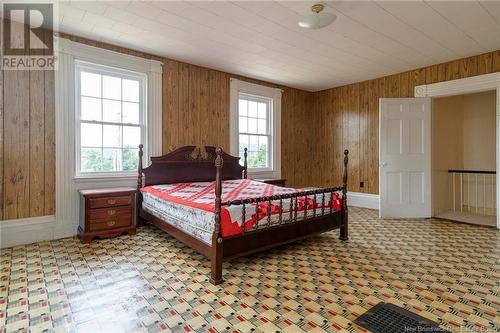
104,214
107,213
119,222
110,201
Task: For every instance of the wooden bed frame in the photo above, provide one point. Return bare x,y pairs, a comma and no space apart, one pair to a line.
196,164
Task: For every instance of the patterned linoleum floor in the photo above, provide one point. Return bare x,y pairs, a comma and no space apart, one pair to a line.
447,272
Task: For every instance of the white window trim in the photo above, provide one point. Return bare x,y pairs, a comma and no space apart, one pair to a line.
67,186
237,87
81,65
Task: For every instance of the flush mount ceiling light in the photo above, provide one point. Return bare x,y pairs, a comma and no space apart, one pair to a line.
318,19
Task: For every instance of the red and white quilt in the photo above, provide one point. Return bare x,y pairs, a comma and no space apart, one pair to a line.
201,196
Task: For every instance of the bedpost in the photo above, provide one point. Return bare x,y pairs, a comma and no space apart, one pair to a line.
344,227
216,256
245,164
138,195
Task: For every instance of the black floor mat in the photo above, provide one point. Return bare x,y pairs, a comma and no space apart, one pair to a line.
390,318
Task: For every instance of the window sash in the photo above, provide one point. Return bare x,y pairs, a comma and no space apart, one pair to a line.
269,125
82,66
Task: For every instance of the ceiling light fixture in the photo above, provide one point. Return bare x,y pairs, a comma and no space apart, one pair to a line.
318,19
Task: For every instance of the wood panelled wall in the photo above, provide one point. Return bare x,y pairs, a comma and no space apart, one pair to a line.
27,150
196,111
315,129
347,117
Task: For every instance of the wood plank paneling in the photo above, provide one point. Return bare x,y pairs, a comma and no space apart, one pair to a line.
16,144
36,143
485,63
197,112
50,144
362,103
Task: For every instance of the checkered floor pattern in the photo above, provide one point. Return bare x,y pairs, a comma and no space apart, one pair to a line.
447,272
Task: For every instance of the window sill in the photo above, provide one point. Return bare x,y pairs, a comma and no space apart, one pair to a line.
94,178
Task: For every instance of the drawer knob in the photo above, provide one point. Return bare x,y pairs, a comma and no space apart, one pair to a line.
111,212
111,201
111,223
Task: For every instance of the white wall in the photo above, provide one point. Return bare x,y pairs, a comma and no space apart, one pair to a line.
463,137
479,131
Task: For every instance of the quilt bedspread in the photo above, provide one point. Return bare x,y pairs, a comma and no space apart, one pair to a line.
195,204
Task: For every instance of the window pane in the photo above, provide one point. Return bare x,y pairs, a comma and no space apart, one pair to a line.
90,84
130,158
262,110
130,90
111,136
242,107
111,111
262,126
111,159
91,135
131,136
111,87
243,142
130,113
263,150
90,159
252,109
253,144
252,125
258,158
91,109
243,125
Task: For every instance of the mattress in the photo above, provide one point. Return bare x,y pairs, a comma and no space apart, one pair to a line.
190,206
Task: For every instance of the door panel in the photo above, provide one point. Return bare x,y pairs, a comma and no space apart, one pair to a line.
417,132
405,157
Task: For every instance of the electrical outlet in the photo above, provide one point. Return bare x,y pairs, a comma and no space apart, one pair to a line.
361,184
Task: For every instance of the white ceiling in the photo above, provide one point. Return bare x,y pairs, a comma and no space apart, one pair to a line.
261,39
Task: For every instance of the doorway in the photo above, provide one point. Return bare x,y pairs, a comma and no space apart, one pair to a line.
476,84
464,158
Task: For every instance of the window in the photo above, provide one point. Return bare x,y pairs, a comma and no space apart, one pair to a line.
255,125
254,130
110,104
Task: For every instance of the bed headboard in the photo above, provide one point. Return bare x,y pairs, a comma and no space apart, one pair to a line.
188,164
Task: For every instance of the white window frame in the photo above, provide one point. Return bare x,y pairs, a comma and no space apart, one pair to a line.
67,186
113,71
238,87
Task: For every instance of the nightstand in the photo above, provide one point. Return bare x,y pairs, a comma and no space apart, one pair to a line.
106,213
278,182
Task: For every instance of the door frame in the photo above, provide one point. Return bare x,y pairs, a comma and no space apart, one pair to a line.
474,84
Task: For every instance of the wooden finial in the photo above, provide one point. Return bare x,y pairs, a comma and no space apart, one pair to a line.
245,164
218,160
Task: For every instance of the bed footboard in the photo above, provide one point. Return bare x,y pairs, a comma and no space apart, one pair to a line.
300,214
293,223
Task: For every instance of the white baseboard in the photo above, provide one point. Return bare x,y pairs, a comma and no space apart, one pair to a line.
26,231
365,200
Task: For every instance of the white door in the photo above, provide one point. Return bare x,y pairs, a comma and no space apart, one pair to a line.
405,157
